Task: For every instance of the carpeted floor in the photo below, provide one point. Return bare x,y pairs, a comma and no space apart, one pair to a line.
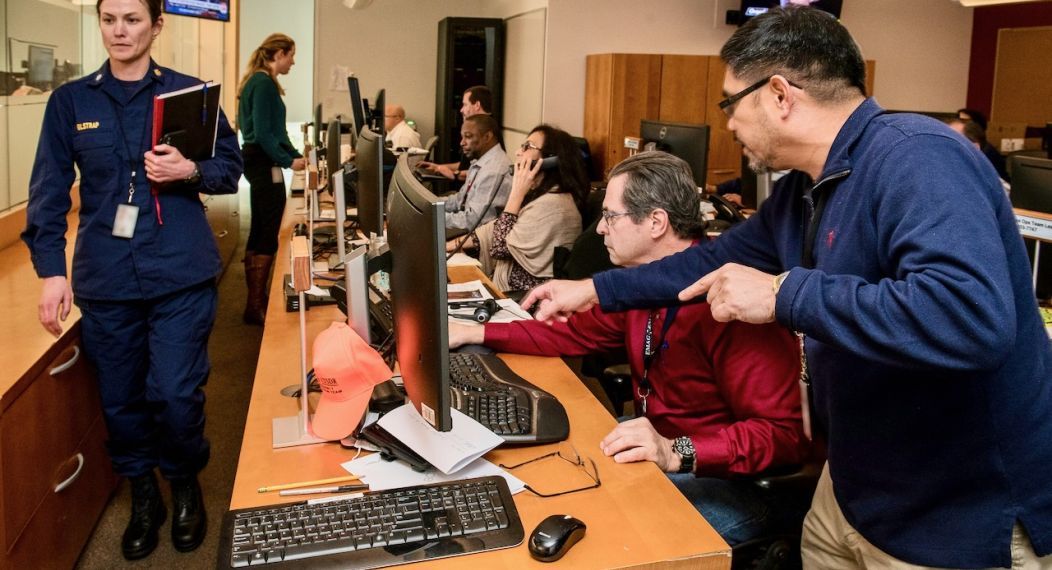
234,350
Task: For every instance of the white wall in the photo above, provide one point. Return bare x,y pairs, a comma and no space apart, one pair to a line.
259,19
391,44
921,47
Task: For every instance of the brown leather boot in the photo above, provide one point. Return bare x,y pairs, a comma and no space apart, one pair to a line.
257,270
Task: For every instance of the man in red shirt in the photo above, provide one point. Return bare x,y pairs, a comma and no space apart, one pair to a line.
714,401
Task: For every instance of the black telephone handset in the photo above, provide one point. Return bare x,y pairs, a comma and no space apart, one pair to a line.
547,163
725,210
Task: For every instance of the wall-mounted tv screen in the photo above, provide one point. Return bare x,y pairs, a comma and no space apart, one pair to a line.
208,9
752,8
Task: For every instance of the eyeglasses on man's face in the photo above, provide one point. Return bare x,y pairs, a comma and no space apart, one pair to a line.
727,104
609,216
573,458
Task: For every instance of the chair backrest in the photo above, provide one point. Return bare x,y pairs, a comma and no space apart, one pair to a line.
587,257
586,155
429,146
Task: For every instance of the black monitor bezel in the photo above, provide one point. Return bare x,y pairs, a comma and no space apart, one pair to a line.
332,146
416,236
698,162
370,198
358,111
1028,193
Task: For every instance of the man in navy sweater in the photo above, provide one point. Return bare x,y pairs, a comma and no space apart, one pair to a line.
892,250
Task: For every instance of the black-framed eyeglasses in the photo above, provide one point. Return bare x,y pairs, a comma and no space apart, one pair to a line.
576,460
527,145
726,103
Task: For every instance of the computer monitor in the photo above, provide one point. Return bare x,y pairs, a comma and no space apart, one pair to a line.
417,240
752,8
685,140
1032,190
357,107
41,68
356,291
332,147
378,113
317,126
1031,183
369,161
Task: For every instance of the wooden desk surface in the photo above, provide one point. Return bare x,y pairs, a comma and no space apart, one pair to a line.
22,339
636,518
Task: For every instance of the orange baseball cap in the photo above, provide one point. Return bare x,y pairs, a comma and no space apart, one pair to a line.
347,369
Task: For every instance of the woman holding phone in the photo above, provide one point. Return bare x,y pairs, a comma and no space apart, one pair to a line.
267,149
144,266
543,211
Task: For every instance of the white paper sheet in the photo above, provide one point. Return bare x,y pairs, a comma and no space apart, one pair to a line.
448,451
381,474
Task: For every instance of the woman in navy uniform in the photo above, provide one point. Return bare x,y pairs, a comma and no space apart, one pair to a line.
144,265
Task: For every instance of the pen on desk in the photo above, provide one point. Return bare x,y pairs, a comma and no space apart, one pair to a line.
308,483
314,490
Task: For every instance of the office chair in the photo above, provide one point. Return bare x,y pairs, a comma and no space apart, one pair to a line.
429,146
791,487
587,257
586,155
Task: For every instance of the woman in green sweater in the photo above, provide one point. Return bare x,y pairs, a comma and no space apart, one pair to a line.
266,150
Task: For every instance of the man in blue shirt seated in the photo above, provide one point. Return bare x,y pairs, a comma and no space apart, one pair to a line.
928,364
488,184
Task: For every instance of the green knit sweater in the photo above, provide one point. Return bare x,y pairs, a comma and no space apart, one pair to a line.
261,117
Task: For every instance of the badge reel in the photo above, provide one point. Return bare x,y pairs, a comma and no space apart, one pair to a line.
127,215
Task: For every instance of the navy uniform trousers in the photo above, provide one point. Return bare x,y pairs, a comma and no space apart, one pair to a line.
152,361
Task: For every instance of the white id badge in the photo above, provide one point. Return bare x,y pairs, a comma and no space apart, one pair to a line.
124,221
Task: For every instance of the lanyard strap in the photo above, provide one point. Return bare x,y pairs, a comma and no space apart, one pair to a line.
651,348
133,163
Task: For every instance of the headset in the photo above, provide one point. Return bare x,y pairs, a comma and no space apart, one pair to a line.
484,310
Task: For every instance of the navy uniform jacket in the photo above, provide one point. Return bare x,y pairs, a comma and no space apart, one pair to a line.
931,367
81,127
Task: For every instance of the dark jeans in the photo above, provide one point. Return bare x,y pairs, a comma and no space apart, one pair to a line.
152,362
267,200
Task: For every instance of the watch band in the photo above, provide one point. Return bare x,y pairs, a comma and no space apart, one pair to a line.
684,447
195,176
778,280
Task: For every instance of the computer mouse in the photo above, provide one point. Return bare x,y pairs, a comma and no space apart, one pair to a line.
554,536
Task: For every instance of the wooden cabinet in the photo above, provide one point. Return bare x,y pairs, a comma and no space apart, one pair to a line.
621,89
223,218
55,475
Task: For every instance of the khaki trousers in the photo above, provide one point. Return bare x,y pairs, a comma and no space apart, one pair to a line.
830,543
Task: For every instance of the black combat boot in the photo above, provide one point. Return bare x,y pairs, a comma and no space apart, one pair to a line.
147,515
188,514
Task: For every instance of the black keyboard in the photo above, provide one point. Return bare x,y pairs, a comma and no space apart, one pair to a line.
381,528
484,388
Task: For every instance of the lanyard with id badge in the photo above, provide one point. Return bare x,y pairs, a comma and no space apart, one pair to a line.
127,214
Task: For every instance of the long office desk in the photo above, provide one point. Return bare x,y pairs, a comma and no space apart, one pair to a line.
636,518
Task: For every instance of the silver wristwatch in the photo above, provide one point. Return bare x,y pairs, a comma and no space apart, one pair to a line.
195,176
684,447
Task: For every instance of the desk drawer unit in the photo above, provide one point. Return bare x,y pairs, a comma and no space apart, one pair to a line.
55,476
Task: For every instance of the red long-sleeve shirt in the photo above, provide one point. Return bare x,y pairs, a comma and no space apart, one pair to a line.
731,387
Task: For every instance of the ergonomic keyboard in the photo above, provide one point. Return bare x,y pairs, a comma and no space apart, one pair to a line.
374,529
484,388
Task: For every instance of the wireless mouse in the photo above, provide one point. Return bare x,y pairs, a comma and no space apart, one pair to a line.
554,536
